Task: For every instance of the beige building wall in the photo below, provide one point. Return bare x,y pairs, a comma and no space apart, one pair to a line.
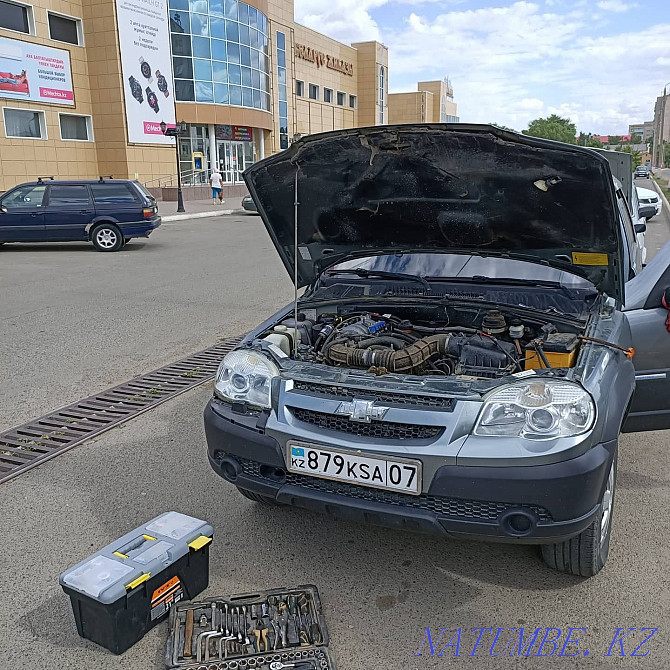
307,116
372,109
98,92
442,98
411,107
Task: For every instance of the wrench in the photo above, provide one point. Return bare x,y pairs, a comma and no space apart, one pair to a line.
278,665
223,652
225,618
244,618
239,627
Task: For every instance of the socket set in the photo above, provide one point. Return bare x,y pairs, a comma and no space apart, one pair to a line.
269,630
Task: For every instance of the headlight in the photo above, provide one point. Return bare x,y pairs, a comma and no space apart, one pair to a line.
537,410
245,375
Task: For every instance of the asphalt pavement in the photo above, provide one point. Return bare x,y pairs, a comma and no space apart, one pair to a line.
658,227
75,321
380,588
98,319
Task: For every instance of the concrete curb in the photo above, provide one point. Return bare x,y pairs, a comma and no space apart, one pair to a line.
200,215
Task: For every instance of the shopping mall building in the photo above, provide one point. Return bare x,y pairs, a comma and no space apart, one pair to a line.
85,84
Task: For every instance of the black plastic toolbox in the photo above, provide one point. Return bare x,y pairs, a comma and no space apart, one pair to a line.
264,630
125,589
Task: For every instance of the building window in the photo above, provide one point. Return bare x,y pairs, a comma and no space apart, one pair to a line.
14,16
352,101
76,127
313,92
328,95
283,102
24,123
65,29
300,88
220,53
382,87
341,98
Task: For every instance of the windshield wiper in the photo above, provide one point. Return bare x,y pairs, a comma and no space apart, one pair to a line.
362,272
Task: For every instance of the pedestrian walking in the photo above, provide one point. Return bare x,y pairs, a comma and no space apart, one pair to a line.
216,183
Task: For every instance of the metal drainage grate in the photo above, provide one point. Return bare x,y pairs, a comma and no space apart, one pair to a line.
37,441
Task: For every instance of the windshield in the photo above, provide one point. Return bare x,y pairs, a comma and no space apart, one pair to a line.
430,265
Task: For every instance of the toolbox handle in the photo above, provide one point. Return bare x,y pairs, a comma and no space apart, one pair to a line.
134,544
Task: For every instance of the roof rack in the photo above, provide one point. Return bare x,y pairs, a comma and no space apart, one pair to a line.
40,180
103,177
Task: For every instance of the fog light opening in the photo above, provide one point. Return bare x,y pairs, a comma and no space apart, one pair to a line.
273,473
230,469
518,523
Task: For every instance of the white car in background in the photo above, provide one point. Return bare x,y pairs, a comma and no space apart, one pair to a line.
648,197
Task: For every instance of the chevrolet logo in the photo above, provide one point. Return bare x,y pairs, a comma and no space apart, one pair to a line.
361,410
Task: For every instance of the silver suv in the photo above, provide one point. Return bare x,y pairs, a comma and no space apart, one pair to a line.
472,338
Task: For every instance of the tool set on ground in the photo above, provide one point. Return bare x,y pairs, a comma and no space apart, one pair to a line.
282,628
134,583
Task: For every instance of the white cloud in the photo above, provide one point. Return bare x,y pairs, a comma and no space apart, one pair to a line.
615,6
514,63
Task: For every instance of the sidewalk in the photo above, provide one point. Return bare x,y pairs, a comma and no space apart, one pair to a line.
196,209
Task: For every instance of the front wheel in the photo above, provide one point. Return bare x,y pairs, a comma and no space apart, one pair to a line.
107,237
586,554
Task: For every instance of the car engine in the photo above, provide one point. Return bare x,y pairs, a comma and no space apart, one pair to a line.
491,344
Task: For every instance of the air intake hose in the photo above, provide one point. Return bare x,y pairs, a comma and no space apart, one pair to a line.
410,359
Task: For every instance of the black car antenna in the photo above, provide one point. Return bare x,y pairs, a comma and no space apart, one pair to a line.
295,262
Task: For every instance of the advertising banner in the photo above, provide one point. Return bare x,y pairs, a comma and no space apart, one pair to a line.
147,69
237,133
33,72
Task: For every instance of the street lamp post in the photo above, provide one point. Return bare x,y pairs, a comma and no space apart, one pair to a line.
175,132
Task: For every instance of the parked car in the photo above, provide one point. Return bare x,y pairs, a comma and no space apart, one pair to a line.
642,171
249,205
461,359
106,212
648,197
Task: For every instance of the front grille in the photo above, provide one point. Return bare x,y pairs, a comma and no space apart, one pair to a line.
376,429
378,396
458,508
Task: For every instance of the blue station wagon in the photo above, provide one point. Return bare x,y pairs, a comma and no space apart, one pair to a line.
106,212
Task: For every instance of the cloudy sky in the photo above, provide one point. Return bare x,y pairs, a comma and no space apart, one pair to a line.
600,62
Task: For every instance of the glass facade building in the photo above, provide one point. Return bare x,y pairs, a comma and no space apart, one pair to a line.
220,53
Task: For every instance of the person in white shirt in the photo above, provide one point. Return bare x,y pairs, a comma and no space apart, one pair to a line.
216,183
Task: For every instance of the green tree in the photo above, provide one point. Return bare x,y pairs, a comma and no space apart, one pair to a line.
589,140
614,139
553,127
636,156
636,138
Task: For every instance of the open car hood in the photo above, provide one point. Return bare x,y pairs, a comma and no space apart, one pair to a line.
454,188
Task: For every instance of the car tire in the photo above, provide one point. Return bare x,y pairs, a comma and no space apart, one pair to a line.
106,237
586,554
257,497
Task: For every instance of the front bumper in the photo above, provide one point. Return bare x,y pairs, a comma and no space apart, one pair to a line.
531,504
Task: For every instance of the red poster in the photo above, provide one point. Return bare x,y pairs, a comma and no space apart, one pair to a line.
242,133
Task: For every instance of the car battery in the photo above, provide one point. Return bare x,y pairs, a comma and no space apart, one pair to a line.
560,350
125,589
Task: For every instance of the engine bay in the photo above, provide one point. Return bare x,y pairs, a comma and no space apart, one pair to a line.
477,341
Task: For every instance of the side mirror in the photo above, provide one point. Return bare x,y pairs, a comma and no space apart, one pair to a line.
640,228
3,210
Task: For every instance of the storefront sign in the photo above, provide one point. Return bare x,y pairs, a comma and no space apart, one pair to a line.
237,133
33,72
321,59
147,69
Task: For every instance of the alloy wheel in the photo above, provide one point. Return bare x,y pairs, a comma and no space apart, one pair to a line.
606,505
107,238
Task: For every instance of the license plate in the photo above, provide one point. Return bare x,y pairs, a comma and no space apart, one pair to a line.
390,474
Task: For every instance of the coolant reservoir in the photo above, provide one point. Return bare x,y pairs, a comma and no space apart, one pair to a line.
279,340
292,334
